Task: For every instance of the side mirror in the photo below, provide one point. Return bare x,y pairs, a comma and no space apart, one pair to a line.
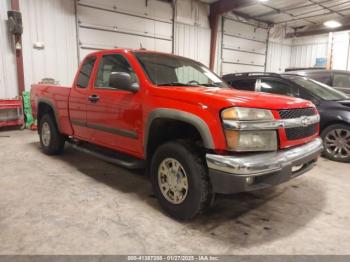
122,81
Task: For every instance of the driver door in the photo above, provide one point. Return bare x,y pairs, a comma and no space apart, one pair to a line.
115,116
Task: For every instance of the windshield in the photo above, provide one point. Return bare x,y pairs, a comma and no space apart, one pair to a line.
318,89
168,70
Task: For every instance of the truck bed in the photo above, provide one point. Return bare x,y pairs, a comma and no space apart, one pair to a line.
58,97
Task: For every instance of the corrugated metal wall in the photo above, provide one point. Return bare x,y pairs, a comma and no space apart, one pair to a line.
278,56
305,50
8,75
53,23
192,31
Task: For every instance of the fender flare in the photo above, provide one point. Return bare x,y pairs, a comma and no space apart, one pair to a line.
49,103
183,116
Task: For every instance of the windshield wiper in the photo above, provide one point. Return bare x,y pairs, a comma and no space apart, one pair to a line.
174,84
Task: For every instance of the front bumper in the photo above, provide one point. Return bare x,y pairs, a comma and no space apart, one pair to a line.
233,174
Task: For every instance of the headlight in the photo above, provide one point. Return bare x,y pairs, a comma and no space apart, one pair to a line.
246,141
243,113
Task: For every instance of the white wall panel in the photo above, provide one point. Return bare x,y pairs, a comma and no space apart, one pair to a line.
340,57
243,47
154,9
53,23
124,24
192,32
192,12
192,42
305,50
244,44
240,29
8,75
243,57
109,40
278,57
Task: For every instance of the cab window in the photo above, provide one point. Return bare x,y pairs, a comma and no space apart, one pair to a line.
110,64
85,72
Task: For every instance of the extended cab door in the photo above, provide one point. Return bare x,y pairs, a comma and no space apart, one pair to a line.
115,116
79,98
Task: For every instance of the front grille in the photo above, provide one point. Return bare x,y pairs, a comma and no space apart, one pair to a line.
301,132
298,132
295,113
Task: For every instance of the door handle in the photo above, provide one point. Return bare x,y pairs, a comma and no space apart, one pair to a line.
94,98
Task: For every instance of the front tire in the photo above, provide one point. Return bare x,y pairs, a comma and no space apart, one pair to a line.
52,142
336,142
180,180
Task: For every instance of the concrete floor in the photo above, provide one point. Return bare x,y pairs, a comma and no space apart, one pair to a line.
76,204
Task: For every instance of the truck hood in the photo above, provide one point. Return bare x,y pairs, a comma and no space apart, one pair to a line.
226,97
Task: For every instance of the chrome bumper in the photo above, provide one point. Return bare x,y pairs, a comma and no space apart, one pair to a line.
264,163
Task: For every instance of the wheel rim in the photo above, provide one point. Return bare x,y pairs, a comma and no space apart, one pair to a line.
337,143
172,181
46,134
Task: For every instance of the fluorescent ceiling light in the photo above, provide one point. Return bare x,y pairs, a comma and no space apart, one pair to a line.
332,24
263,0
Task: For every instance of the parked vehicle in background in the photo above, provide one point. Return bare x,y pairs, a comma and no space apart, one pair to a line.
333,105
339,79
138,108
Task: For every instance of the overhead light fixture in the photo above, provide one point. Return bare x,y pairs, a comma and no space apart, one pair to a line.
332,24
263,0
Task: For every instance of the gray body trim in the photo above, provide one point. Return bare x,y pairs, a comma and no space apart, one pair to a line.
116,131
174,114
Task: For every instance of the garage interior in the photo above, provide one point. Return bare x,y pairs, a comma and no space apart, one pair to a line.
76,204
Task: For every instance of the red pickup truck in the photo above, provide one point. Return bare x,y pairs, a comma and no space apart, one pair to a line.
172,115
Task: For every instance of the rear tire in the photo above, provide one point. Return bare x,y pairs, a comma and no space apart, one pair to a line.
336,142
185,193
52,142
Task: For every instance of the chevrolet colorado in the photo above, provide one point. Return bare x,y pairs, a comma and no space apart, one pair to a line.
173,116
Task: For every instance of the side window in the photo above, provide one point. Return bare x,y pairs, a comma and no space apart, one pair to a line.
326,79
276,86
341,80
243,84
112,64
85,72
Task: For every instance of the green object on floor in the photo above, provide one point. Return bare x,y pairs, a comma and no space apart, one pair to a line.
27,109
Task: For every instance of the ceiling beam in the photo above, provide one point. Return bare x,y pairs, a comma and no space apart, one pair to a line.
317,31
320,29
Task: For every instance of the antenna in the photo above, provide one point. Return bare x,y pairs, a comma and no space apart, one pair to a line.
141,47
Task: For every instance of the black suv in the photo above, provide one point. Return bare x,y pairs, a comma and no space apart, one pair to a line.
333,105
339,79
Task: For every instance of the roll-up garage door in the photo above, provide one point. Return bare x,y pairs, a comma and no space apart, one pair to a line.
243,47
112,24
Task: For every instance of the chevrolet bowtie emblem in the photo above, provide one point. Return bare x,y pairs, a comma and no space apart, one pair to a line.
305,121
